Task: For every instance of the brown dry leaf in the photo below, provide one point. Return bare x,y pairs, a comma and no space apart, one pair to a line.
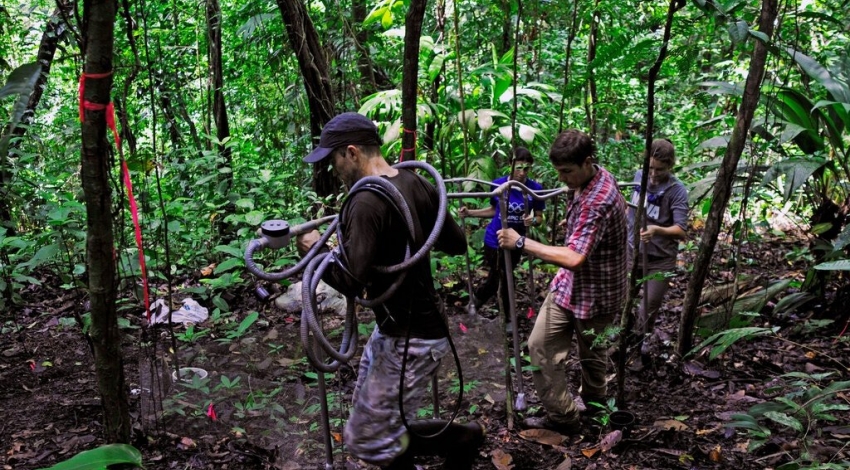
186,443
501,460
611,440
567,464
16,447
589,451
542,436
208,271
286,362
665,424
271,335
702,432
740,397
811,354
715,455
337,436
742,446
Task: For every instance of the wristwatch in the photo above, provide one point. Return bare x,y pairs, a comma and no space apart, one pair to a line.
520,243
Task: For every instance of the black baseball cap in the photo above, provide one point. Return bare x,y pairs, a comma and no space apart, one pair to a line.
344,129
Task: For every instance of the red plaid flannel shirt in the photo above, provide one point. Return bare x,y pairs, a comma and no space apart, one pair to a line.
596,228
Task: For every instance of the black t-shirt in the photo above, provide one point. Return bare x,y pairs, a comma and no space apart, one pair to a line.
375,234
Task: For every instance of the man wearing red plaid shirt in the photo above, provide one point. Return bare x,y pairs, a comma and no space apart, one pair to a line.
589,289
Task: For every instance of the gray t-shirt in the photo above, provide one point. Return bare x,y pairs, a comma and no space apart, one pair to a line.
666,205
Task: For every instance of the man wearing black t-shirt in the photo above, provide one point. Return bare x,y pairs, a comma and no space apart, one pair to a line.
374,233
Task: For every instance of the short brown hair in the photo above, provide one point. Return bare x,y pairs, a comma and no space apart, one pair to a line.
571,147
663,151
522,154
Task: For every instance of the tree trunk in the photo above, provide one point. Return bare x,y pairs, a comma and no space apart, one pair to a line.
374,78
725,177
175,107
314,68
590,103
410,77
219,108
567,63
428,137
98,33
627,318
507,36
170,116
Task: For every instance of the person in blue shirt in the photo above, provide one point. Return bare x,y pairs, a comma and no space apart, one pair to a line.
517,219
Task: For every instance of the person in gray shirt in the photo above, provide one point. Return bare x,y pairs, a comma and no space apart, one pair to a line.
666,224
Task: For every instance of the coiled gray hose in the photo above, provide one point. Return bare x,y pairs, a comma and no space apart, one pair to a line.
316,267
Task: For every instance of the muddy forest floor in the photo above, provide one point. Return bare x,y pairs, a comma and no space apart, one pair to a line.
264,395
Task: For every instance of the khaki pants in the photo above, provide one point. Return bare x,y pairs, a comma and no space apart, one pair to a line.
549,347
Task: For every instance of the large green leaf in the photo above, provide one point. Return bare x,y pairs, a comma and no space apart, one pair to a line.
738,31
796,108
840,265
247,30
101,458
43,255
785,420
723,88
839,91
843,239
727,338
21,83
796,172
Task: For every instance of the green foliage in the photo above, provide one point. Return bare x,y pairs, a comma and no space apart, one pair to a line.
723,340
19,83
258,403
801,401
190,335
101,458
606,337
14,270
604,410
840,265
468,386
240,330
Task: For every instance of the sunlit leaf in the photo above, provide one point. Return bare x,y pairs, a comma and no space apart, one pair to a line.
784,420
101,458
376,15
245,203
840,265
255,218
720,141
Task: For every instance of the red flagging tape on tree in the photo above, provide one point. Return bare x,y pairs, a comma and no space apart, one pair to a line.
134,213
134,208
411,149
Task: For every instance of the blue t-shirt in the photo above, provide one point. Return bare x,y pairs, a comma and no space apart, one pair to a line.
516,210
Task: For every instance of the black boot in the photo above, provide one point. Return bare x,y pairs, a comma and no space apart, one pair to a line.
458,442
402,462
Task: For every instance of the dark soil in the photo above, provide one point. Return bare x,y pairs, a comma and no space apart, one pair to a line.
265,398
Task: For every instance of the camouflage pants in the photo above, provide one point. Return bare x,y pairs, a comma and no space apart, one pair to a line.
374,431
